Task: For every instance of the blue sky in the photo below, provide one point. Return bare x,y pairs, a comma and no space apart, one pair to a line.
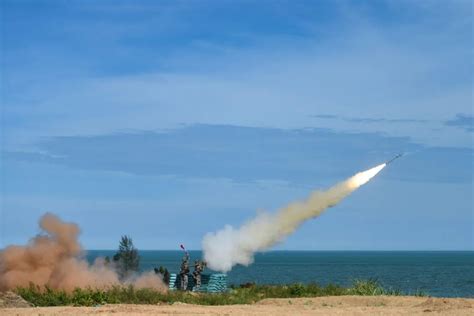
169,119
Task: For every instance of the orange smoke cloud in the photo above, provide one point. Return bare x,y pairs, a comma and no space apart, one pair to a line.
54,259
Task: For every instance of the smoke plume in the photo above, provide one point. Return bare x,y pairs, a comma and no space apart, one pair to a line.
54,259
230,246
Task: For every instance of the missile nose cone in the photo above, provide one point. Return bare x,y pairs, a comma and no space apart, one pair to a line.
397,156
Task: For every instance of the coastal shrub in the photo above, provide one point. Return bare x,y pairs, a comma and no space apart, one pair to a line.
371,287
334,290
43,296
296,289
246,294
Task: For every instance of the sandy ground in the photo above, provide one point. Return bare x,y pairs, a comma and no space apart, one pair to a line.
333,305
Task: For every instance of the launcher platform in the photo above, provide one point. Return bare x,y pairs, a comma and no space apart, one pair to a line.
210,283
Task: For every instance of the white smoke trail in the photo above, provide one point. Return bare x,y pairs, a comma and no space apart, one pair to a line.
230,246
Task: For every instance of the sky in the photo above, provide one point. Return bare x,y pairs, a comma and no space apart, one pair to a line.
165,120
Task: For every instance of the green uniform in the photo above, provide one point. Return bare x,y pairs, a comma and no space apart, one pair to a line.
184,272
198,268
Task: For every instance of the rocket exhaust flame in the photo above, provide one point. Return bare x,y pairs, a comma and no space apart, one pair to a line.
362,178
229,246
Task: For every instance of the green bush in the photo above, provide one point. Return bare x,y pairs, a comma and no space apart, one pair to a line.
297,289
371,287
245,294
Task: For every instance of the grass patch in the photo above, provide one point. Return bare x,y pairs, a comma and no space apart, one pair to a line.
244,294
371,288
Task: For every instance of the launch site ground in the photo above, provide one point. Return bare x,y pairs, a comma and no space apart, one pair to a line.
330,305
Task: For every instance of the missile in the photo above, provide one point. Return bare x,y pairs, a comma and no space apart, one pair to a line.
397,156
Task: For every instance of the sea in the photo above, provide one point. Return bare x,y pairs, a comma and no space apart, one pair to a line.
435,273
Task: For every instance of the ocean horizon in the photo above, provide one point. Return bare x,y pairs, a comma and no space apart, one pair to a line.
441,273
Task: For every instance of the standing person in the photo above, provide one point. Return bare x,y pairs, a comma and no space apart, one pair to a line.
198,268
183,273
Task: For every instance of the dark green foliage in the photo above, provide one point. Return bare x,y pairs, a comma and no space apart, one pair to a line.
248,284
164,272
371,287
296,289
126,259
419,293
245,294
43,296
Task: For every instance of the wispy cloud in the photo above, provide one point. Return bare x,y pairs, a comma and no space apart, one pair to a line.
368,119
464,121
250,154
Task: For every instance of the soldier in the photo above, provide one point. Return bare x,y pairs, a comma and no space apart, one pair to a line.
184,271
198,268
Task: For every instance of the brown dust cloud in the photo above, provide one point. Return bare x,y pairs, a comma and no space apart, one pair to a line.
55,259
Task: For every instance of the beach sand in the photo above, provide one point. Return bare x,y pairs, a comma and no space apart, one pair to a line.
332,305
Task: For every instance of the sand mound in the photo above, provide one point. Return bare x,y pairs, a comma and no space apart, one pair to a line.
443,304
10,299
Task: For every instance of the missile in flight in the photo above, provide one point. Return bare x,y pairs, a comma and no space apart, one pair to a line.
397,156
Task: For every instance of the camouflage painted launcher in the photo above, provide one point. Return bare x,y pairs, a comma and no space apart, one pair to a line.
210,283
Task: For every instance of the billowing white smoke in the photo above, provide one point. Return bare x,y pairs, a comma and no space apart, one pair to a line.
230,246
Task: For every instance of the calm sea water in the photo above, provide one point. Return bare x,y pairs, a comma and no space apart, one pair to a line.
437,273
